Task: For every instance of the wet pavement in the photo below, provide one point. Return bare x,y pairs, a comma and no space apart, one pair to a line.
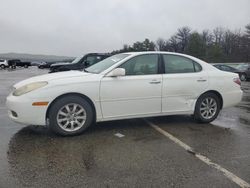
31,156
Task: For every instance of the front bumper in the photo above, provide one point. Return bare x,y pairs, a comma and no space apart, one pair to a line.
20,110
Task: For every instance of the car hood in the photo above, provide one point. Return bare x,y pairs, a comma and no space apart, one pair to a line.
53,76
60,64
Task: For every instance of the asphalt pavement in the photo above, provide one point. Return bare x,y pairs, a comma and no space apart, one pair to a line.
148,152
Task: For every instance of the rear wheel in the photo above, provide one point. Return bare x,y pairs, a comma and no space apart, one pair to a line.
243,77
26,66
70,115
207,108
2,66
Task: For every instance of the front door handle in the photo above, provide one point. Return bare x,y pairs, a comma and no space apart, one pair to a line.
155,82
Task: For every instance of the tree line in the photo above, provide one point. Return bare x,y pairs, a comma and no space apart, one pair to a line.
218,45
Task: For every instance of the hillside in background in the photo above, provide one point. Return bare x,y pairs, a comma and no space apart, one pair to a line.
34,57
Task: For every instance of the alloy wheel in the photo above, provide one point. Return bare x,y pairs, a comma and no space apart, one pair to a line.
71,117
208,108
243,77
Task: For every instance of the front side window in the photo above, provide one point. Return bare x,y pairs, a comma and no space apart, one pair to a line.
179,64
141,65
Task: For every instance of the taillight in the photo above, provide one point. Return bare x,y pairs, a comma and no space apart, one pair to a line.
237,81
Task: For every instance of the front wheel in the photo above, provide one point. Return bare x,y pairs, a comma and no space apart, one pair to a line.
207,108
70,115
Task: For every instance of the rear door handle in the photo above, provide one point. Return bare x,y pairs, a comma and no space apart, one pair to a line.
201,80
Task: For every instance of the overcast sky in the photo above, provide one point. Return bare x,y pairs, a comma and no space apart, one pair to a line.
75,27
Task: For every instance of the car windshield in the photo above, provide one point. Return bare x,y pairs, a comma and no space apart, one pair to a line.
106,63
242,67
77,59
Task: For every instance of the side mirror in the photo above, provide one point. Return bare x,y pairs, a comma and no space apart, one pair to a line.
117,72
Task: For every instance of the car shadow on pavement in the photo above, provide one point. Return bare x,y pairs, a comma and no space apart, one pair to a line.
34,152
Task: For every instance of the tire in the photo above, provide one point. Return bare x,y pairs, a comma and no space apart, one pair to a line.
243,77
203,112
2,66
26,66
70,122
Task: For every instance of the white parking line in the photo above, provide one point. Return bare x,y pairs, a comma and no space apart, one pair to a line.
203,158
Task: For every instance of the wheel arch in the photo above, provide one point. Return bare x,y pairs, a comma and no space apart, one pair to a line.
217,94
70,94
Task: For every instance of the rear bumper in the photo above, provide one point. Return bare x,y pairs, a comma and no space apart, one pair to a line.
20,110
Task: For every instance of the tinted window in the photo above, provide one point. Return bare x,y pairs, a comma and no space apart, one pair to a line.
242,67
141,65
226,68
197,67
106,63
178,64
91,60
1,60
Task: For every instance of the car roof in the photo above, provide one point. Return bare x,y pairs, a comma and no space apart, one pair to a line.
101,54
156,52
162,52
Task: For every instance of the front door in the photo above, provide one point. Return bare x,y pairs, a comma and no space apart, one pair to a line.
136,93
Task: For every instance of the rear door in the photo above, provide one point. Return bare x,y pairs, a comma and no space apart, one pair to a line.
183,82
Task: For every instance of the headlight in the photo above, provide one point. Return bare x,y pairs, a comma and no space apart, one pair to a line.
28,88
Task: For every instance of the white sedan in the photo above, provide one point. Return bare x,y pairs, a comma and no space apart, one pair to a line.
127,85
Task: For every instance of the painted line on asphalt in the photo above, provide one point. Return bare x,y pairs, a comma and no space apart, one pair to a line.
203,158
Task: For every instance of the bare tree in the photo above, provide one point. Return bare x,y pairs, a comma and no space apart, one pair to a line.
218,35
207,37
183,37
160,44
173,44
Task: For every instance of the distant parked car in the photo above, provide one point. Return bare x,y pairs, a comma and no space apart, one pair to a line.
12,63
45,65
3,64
36,63
79,63
18,63
244,71
225,68
24,64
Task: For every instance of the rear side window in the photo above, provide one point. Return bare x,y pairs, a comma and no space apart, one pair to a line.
179,64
